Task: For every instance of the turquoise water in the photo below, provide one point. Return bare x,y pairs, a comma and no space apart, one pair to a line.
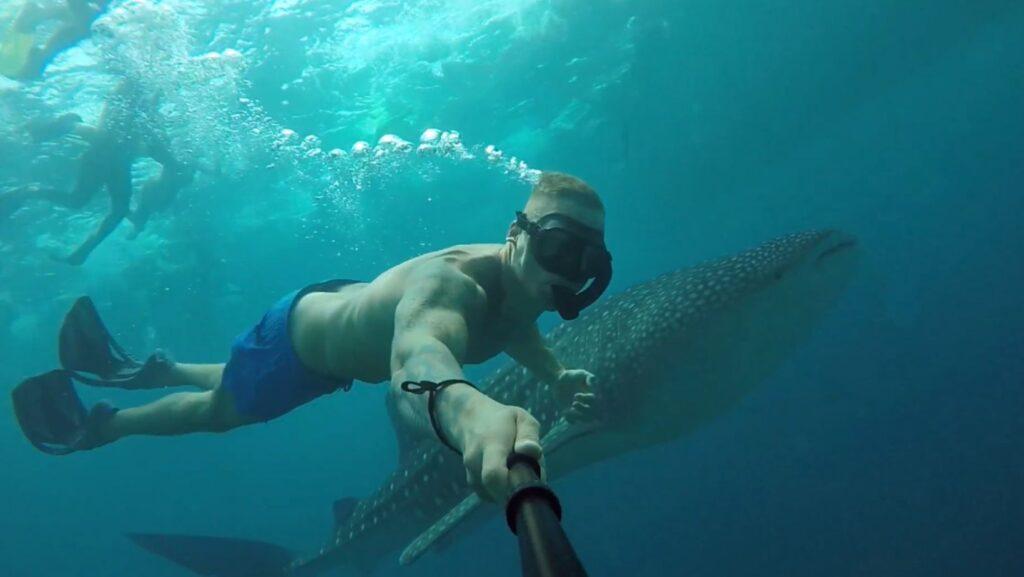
888,445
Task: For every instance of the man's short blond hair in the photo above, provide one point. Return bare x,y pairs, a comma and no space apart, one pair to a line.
558,192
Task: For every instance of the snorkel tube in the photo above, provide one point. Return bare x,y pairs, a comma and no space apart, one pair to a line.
534,515
569,303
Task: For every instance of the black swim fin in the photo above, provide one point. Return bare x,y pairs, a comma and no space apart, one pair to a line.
218,556
53,418
93,357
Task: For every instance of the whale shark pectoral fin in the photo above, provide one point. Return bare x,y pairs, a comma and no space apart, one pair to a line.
556,438
443,527
564,431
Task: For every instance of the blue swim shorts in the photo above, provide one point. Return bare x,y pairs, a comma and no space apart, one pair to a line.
264,375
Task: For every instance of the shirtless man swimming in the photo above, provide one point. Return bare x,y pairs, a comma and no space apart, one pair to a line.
415,325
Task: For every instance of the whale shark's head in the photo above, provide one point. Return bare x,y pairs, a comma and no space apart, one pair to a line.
674,352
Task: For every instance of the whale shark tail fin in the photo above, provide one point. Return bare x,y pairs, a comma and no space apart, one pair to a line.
218,556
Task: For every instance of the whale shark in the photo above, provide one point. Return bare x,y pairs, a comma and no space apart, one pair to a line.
670,354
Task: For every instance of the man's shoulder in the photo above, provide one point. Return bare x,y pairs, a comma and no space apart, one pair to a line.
467,273
444,275
457,264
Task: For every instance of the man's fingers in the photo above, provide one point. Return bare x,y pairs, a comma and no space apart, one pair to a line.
529,448
495,475
586,402
577,416
474,483
528,440
486,467
471,460
527,435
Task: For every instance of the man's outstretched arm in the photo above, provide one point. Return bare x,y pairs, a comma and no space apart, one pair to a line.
430,340
528,349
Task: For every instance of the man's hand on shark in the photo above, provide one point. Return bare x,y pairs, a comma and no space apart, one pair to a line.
574,393
490,432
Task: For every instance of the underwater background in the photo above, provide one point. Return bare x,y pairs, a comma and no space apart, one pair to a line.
890,444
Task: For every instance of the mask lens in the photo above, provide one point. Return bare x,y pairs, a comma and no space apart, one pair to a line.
560,252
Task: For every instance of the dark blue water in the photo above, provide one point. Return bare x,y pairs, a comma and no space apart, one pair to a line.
888,445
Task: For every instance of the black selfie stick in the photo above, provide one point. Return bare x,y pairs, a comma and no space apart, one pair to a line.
534,515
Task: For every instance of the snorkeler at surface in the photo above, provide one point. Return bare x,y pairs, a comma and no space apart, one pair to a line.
414,325
22,59
120,138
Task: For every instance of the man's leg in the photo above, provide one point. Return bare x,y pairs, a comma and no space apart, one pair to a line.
210,411
174,374
119,187
149,199
203,376
92,174
47,128
157,193
90,178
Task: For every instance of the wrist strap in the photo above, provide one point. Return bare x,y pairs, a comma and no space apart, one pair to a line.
433,389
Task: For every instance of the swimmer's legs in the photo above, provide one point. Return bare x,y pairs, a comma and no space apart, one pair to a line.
202,376
157,194
119,186
12,200
153,196
51,128
87,185
211,411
